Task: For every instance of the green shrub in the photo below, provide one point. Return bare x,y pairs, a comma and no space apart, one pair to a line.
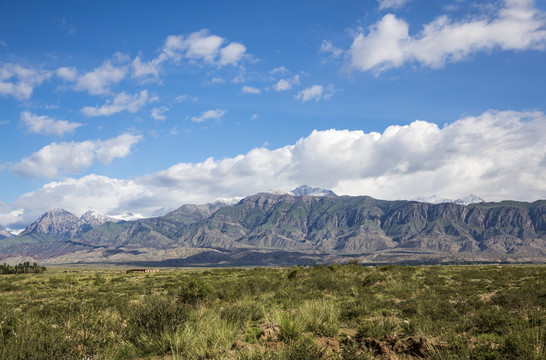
194,291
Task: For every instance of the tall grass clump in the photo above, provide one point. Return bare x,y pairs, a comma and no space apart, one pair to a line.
205,336
320,316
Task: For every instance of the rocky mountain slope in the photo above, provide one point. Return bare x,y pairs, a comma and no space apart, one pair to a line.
4,233
315,227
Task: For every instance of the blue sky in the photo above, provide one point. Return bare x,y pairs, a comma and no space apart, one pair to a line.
134,106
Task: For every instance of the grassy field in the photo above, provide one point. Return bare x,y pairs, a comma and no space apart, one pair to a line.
330,312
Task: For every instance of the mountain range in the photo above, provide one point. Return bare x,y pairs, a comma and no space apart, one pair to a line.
306,225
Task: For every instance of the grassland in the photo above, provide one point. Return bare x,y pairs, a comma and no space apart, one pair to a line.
330,312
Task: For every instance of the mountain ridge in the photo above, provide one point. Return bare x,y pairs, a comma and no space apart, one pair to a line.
322,227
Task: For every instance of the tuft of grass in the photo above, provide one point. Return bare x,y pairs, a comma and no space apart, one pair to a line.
206,336
320,316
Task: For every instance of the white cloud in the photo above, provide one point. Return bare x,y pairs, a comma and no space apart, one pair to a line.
122,102
497,155
202,46
329,47
100,193
72,157
148,69
282,85
185,97
217,80
315,92
19,82
286,84
232,54
98,81
46,125
67,73
385,4
209,114
254,117
279,70
157,113
516,26
250,90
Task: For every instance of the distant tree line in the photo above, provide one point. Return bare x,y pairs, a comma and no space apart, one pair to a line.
22,268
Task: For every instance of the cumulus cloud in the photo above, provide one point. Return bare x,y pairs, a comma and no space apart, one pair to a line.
73,157
209,114
286,84
315,92
122,102
98,81
158,113
385,4
250,90
103,194
19,81
145,69
46,125
232,54
387,44
497,155
204,47
67,73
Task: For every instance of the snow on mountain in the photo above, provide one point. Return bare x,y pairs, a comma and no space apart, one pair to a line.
95,219
470,199
128,217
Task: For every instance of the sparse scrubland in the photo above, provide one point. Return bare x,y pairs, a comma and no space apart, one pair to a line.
318,312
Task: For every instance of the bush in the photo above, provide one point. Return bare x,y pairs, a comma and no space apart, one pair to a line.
194,292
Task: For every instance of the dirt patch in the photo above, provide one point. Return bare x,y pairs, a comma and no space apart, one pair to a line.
330,344
269,333
392,345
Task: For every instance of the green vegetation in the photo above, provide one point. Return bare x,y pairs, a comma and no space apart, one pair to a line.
22,268
319,312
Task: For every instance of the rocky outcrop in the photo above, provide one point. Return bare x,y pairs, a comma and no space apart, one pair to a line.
58,223
4,233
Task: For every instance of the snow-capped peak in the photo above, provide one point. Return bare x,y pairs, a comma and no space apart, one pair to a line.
470,199
95,219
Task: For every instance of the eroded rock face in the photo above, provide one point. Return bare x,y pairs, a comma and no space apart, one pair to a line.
58,223
336,225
